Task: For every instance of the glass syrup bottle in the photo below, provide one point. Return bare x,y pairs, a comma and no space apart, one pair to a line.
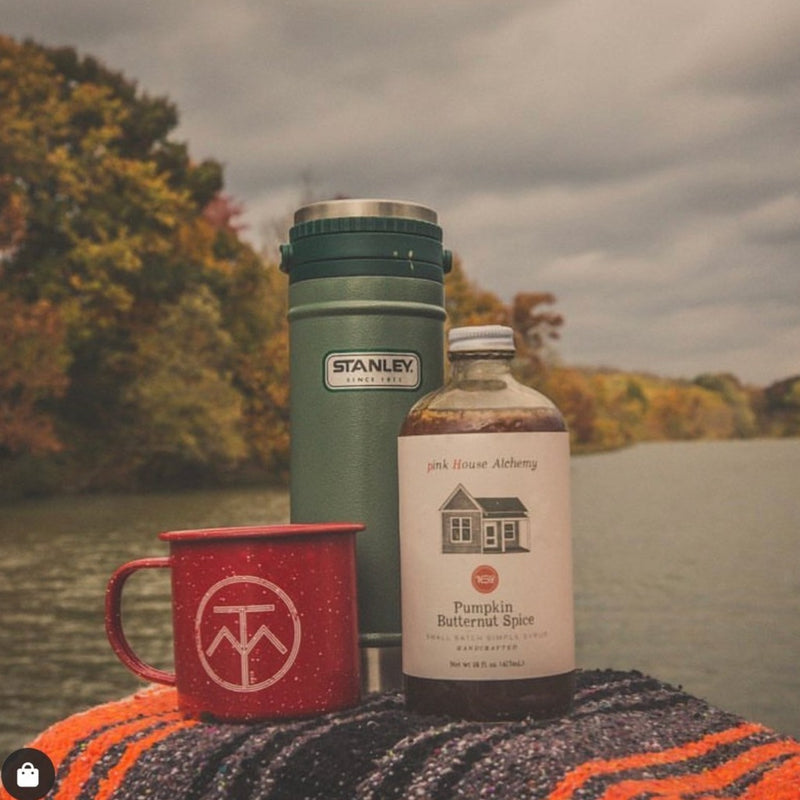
485,543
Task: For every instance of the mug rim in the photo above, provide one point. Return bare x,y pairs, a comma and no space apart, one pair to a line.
277,531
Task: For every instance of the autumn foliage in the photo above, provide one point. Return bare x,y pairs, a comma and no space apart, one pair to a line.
133,314
33,362
143,343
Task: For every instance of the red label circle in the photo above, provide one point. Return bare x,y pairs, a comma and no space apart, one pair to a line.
485,579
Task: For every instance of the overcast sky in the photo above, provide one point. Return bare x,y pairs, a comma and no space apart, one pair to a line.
639,159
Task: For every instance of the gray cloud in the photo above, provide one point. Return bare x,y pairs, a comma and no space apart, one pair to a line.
639,160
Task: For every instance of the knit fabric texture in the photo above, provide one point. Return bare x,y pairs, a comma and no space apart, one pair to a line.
628,736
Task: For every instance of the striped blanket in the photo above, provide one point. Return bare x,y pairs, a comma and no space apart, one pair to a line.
629,736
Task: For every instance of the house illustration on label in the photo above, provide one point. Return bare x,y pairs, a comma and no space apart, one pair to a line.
484,524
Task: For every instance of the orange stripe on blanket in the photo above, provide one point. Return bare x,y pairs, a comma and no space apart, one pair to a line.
573,780
59,738
714,780
81,768
117,773
780,783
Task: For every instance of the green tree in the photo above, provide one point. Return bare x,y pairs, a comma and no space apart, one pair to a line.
259,305
780,408
184,415
730,389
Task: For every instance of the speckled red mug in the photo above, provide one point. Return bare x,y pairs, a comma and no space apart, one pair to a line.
264,620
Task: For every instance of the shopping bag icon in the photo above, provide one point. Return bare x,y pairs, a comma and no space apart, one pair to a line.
27,776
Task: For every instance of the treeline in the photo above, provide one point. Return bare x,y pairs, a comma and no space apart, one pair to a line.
608,408
144,343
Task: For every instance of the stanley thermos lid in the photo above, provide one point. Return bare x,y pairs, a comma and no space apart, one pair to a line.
365,237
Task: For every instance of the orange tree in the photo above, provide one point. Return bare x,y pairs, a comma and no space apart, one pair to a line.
535,325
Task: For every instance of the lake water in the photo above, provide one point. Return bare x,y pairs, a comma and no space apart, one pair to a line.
687,567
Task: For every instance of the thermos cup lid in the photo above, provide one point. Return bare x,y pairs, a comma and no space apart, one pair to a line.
338,209
365,237
480,337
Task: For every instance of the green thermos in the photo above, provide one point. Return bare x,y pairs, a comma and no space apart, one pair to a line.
366,341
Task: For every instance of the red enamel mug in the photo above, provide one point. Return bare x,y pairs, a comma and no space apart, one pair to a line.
264,620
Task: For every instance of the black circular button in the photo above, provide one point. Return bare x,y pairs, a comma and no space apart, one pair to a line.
28,774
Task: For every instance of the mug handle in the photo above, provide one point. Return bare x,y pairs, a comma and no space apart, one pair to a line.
116,635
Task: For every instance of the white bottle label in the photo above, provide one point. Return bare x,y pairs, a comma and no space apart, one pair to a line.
486,557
